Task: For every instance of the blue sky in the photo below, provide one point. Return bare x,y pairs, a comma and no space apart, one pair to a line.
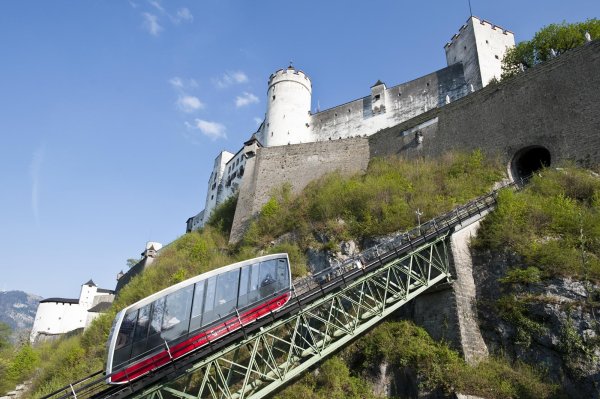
112,112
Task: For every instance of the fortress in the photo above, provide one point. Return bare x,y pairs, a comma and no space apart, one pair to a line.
473,56
541,117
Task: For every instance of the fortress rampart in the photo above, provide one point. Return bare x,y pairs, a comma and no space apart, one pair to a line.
552,107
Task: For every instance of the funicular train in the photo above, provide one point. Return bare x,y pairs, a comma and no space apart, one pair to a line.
187,316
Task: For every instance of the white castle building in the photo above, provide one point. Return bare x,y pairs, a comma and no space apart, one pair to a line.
57,316
473,56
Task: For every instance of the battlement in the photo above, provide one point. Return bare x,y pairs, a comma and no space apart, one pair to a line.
481,22
292,74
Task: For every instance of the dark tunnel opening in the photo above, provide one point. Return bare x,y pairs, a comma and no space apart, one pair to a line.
529,160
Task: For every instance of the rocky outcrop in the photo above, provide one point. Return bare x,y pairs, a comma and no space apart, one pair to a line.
552,323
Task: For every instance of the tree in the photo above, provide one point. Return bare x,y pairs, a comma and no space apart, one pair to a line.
132,262
548,42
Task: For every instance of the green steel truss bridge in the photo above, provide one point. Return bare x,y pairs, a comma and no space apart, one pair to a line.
327,311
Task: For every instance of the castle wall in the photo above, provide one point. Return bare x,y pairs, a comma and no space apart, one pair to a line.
297,165
554,105
362,117
58,318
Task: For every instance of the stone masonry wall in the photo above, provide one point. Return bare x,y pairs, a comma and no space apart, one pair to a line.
554,105
448,311
471,341
297,165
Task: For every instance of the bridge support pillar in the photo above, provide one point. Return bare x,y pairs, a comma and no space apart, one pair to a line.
471,341
448,311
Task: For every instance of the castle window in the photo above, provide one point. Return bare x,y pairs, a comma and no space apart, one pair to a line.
465,47
486,42
377,97
496,57
273,97
212,196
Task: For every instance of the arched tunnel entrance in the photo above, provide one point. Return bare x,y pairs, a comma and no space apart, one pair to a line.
528,161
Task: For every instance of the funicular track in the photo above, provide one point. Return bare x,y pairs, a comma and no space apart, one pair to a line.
327,311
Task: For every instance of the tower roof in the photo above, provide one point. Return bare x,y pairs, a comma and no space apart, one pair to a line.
91,283
379,82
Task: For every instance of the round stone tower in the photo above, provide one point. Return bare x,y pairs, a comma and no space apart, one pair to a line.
288,108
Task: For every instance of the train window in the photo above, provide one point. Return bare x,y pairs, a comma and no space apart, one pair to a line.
244,281
126,330
158,308
226,293
124,338
268,278
254,277
248,285
208,316
177,313
283,275
197,306
141,331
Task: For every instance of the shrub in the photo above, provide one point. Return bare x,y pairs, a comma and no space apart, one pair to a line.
403,344
222,217
381,201
553,223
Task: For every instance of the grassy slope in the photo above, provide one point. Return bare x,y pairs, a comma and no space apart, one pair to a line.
381,201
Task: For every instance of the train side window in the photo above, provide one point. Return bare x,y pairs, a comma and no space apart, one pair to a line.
124,338
197,306
254,283
244,286
158,310
177,312
283,275
126,330
141,331
268,278
226,293
154,338
209,315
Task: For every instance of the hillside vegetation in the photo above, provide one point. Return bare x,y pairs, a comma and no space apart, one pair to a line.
541,301
360,207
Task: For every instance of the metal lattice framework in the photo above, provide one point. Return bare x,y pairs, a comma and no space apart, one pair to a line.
281,351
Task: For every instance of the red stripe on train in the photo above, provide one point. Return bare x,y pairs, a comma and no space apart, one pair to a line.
136,370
